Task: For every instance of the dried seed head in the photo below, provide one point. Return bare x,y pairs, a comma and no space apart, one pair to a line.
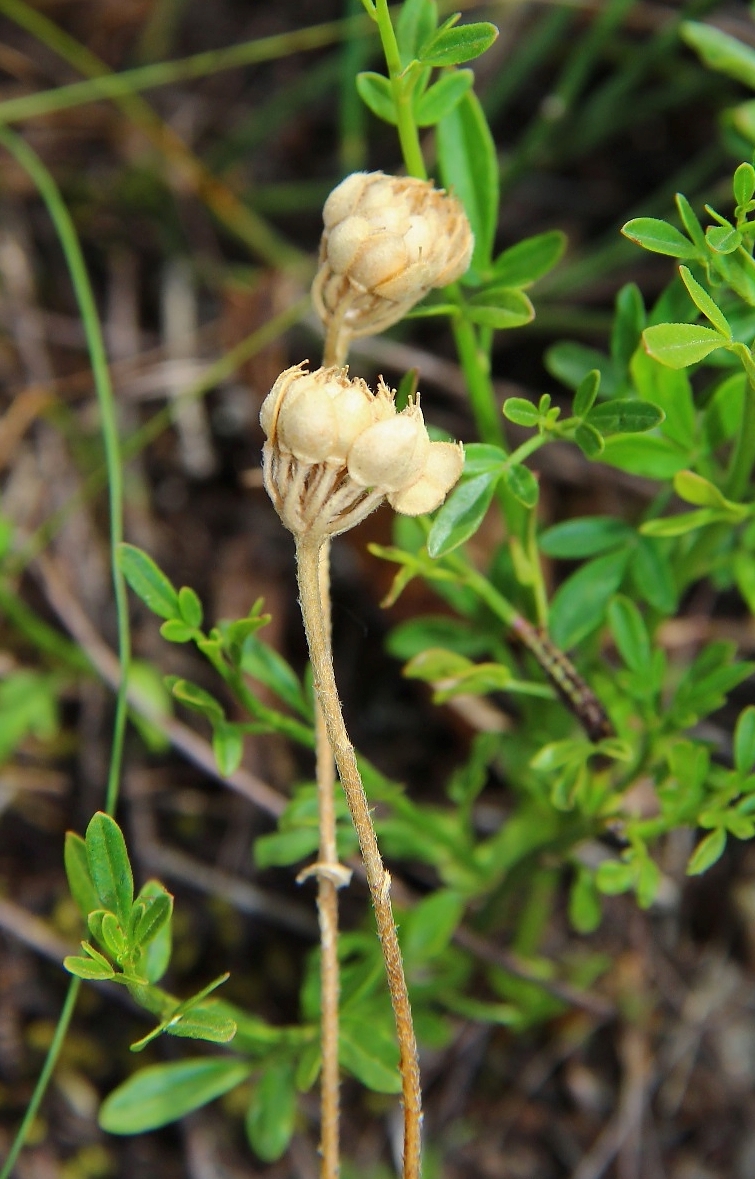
387,241
443,467
335,450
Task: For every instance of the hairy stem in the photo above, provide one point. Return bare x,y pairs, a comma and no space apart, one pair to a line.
308,568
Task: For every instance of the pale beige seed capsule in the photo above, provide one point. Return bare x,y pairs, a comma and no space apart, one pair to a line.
391,455
344,198
444,464
307,423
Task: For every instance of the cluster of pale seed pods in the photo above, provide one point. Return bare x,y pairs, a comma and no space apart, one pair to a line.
334,449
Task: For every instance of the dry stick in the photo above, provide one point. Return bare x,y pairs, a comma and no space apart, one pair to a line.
308,572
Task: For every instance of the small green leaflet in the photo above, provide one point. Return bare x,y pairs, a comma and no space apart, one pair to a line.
703,301
454,45
441,98
163,1093
461,514
680,344
659,237
376,94
527,261
720,51
148,582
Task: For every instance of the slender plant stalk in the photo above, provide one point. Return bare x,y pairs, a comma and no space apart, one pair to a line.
308,571
48,189
327,908
406,126
743,456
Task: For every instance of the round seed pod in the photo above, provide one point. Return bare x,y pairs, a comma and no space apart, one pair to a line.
392,453
307,423
444,464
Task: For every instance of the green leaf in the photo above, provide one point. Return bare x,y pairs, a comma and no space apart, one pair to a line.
720,51
571,363
282,848
659,237
630,633
194,697
723,239
580,603
208,1023
368,1050
109,865
148,581
648,456
706,853
469,167
520,411
480,458
652,575
585,536
263,663
648,882
743,184
683,523
522,484
190,607
691,222
696,490
416,23
228,747
156,953
437,663
500,307
628,323
671,391
585,909
523,264
589,440
587,391
460,43
614,877
158,911
271,1112
624,416
376,94
704,303
88,969
162,1093
461,514
113,937
680,344
176,631
441,98
77,871
744,741
426,931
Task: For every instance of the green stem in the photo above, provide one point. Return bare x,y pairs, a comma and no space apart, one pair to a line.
743,458
43,1080
402,88
476,367
48,189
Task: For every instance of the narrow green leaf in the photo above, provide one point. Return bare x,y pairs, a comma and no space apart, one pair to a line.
228,747
584,903
109,865
743,184
156,954
148,581
441,98
614,877
522,484
208,1023
113,937
720,51
370,1053
157,912
571,363
684,522
523,264
587,391
624,416
452,46
659,237
87,969
427,929
480,458
706,853
585,536
589,440
692,488
521,411
461,514
282,848
630,633
691,222
190,607
162,1093
645,455
628,323
271,1112
416,24
500,307
197,699
376,94
580,603
262,662
704,303
469,167
77,871
680,344
744,741
652,575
